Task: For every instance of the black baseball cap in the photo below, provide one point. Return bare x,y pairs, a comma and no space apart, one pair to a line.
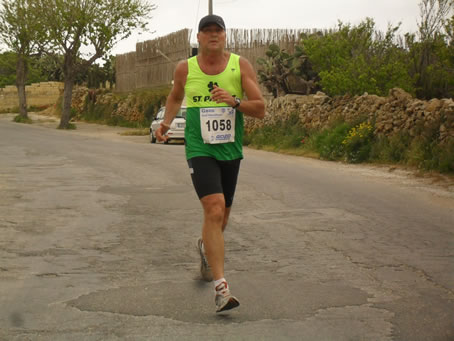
211,19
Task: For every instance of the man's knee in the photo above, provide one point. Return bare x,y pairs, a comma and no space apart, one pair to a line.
214,207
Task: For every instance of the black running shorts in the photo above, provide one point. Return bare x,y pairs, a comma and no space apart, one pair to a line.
211,176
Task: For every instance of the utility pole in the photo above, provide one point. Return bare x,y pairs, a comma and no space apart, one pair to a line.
210,6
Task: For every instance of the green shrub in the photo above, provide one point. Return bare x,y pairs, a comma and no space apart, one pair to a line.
357,59
445,155
71,126
266,136
286,134
391,149
358,143
21,119
96,112
431,155
147,101
328,142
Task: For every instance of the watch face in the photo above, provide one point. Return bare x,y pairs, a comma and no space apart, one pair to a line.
237,102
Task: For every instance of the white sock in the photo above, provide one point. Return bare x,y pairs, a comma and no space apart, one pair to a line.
218,282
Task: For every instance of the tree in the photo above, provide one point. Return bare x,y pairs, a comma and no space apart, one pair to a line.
7,68
433,14
109,70
98,75
21,33
39,69
50,67
432,64
357,59
74,26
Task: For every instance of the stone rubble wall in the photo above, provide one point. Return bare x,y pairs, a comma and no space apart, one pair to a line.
398,112
38,95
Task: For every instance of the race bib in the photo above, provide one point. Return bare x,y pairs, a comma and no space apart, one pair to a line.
217,124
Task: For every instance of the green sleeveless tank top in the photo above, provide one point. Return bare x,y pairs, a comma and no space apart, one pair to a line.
198,99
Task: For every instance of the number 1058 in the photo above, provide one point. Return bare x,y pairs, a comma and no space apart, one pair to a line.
221,125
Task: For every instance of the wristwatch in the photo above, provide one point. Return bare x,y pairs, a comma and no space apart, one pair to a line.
237,102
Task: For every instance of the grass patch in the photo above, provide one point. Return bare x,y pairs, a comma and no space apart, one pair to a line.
71,126
328,142
285,135
132,110
21,119
355,143
32,108
120,121
14,110
138,132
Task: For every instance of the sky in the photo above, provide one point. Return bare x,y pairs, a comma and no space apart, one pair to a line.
174,15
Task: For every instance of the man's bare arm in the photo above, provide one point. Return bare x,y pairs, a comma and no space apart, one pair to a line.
255,104
174,100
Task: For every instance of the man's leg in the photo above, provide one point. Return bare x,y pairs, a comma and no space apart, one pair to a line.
212,232
215,188
226,217
213,241
215,220
229,177
217,209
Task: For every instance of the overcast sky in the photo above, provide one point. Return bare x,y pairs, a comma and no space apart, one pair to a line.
174,15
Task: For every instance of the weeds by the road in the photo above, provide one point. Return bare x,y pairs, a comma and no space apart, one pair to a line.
356,143
138,132
21,119
132,110
71,126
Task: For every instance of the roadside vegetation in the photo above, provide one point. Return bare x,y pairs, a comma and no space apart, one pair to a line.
355,143
21,119
133,110
353,59
360,59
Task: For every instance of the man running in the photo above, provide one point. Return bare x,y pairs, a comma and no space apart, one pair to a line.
214,83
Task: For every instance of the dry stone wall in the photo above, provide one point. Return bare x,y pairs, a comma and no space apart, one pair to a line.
398,112
38,94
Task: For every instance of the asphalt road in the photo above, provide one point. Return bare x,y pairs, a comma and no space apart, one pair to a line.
98,232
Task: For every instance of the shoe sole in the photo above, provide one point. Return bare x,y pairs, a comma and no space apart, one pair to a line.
231,303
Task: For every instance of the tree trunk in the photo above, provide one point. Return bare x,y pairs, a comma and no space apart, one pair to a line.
21,77
67,99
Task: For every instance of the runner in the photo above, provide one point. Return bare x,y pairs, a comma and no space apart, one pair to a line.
214,83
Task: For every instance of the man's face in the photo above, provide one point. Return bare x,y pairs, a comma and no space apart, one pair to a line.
211,36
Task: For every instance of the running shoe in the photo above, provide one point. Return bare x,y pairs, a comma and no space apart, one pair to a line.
224,299
205,270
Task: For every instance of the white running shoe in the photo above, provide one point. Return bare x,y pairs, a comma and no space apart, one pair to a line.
224,299
205,269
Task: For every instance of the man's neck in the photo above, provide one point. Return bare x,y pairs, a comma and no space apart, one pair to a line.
212,57
213,63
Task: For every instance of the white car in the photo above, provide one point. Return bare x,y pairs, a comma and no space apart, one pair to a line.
176,131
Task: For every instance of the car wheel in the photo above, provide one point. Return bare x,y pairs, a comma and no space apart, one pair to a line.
153,138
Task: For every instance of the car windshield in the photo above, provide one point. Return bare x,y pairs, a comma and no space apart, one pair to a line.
182,113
